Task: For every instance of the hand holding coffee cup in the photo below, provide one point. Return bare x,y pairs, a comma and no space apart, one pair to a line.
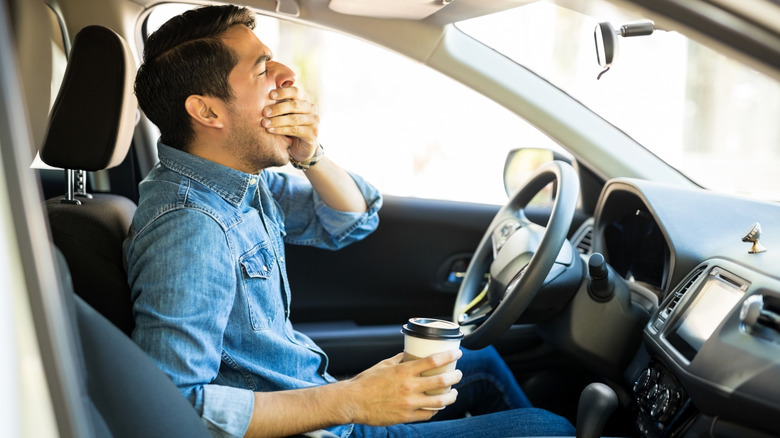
424,337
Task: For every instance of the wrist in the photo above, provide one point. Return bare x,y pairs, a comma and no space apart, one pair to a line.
305,165
337,397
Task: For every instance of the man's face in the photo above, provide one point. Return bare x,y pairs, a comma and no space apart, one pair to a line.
252,79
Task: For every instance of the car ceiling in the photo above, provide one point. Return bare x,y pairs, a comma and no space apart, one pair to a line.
423,39
454,10
746,29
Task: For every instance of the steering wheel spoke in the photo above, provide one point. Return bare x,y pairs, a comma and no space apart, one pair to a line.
478,316
476,311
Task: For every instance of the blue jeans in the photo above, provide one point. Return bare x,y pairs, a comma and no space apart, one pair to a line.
491,395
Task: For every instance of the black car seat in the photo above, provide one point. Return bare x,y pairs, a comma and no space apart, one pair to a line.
90,129
124,392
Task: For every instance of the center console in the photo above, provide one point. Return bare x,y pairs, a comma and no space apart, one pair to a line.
694,339
661,401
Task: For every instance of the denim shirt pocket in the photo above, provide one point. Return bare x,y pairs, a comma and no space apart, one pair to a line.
262,292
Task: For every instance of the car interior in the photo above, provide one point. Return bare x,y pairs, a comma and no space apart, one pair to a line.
636,303
90,129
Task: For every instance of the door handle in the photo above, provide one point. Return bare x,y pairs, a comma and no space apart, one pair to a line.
452,272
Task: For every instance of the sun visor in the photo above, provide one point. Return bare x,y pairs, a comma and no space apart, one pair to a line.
407,9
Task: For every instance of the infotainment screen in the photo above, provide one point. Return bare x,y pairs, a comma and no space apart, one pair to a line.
713,301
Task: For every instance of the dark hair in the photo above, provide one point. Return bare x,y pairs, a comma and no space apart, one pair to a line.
185,56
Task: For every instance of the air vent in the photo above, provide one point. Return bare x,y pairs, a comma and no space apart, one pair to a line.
680,292
583,238
585,245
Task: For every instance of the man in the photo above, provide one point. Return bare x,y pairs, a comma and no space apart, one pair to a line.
206,257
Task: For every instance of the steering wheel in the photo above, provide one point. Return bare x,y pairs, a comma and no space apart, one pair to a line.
516,256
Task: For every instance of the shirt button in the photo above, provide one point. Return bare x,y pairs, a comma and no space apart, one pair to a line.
265,269
253,181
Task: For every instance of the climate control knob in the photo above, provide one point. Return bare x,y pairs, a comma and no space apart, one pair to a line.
665,405
652,393
644,383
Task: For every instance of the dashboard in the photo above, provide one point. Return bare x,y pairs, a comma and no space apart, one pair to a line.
715,343
637,249
712,347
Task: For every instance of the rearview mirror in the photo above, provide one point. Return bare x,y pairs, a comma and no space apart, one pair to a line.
606,44
606,38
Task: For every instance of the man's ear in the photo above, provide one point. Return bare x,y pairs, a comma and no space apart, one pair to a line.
203,110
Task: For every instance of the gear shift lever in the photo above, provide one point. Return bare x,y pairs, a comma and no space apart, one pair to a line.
597,402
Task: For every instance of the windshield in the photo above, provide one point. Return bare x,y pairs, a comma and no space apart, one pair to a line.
709,116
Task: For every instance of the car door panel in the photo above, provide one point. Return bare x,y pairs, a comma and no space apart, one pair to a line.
352,302
398,272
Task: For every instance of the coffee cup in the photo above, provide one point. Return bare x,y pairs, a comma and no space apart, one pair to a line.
426,336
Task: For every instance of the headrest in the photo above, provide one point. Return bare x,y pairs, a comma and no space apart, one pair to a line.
92,121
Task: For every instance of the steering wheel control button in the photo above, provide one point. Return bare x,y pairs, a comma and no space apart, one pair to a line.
503,232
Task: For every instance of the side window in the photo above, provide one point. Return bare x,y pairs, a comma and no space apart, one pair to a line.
59,55
52,179
406,128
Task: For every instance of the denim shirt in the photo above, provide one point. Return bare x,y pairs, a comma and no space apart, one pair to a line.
207,270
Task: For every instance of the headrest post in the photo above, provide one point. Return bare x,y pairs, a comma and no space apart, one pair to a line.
69,183
80,184
76,185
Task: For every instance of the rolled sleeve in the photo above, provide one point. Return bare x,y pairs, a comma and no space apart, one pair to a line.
347,227
309,221
225,410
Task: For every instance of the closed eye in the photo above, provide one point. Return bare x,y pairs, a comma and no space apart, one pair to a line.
261,61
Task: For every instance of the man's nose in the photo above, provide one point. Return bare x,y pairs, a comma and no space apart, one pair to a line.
283,76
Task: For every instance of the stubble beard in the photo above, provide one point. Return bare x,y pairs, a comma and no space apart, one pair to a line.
255,147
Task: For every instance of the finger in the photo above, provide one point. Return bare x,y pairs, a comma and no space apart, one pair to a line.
301,127
446,357
440,383
435,361
288,93
438,402
293,106
431,405
306,134
290,120
391,361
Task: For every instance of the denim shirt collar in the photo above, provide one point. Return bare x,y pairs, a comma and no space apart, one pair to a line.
230,184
